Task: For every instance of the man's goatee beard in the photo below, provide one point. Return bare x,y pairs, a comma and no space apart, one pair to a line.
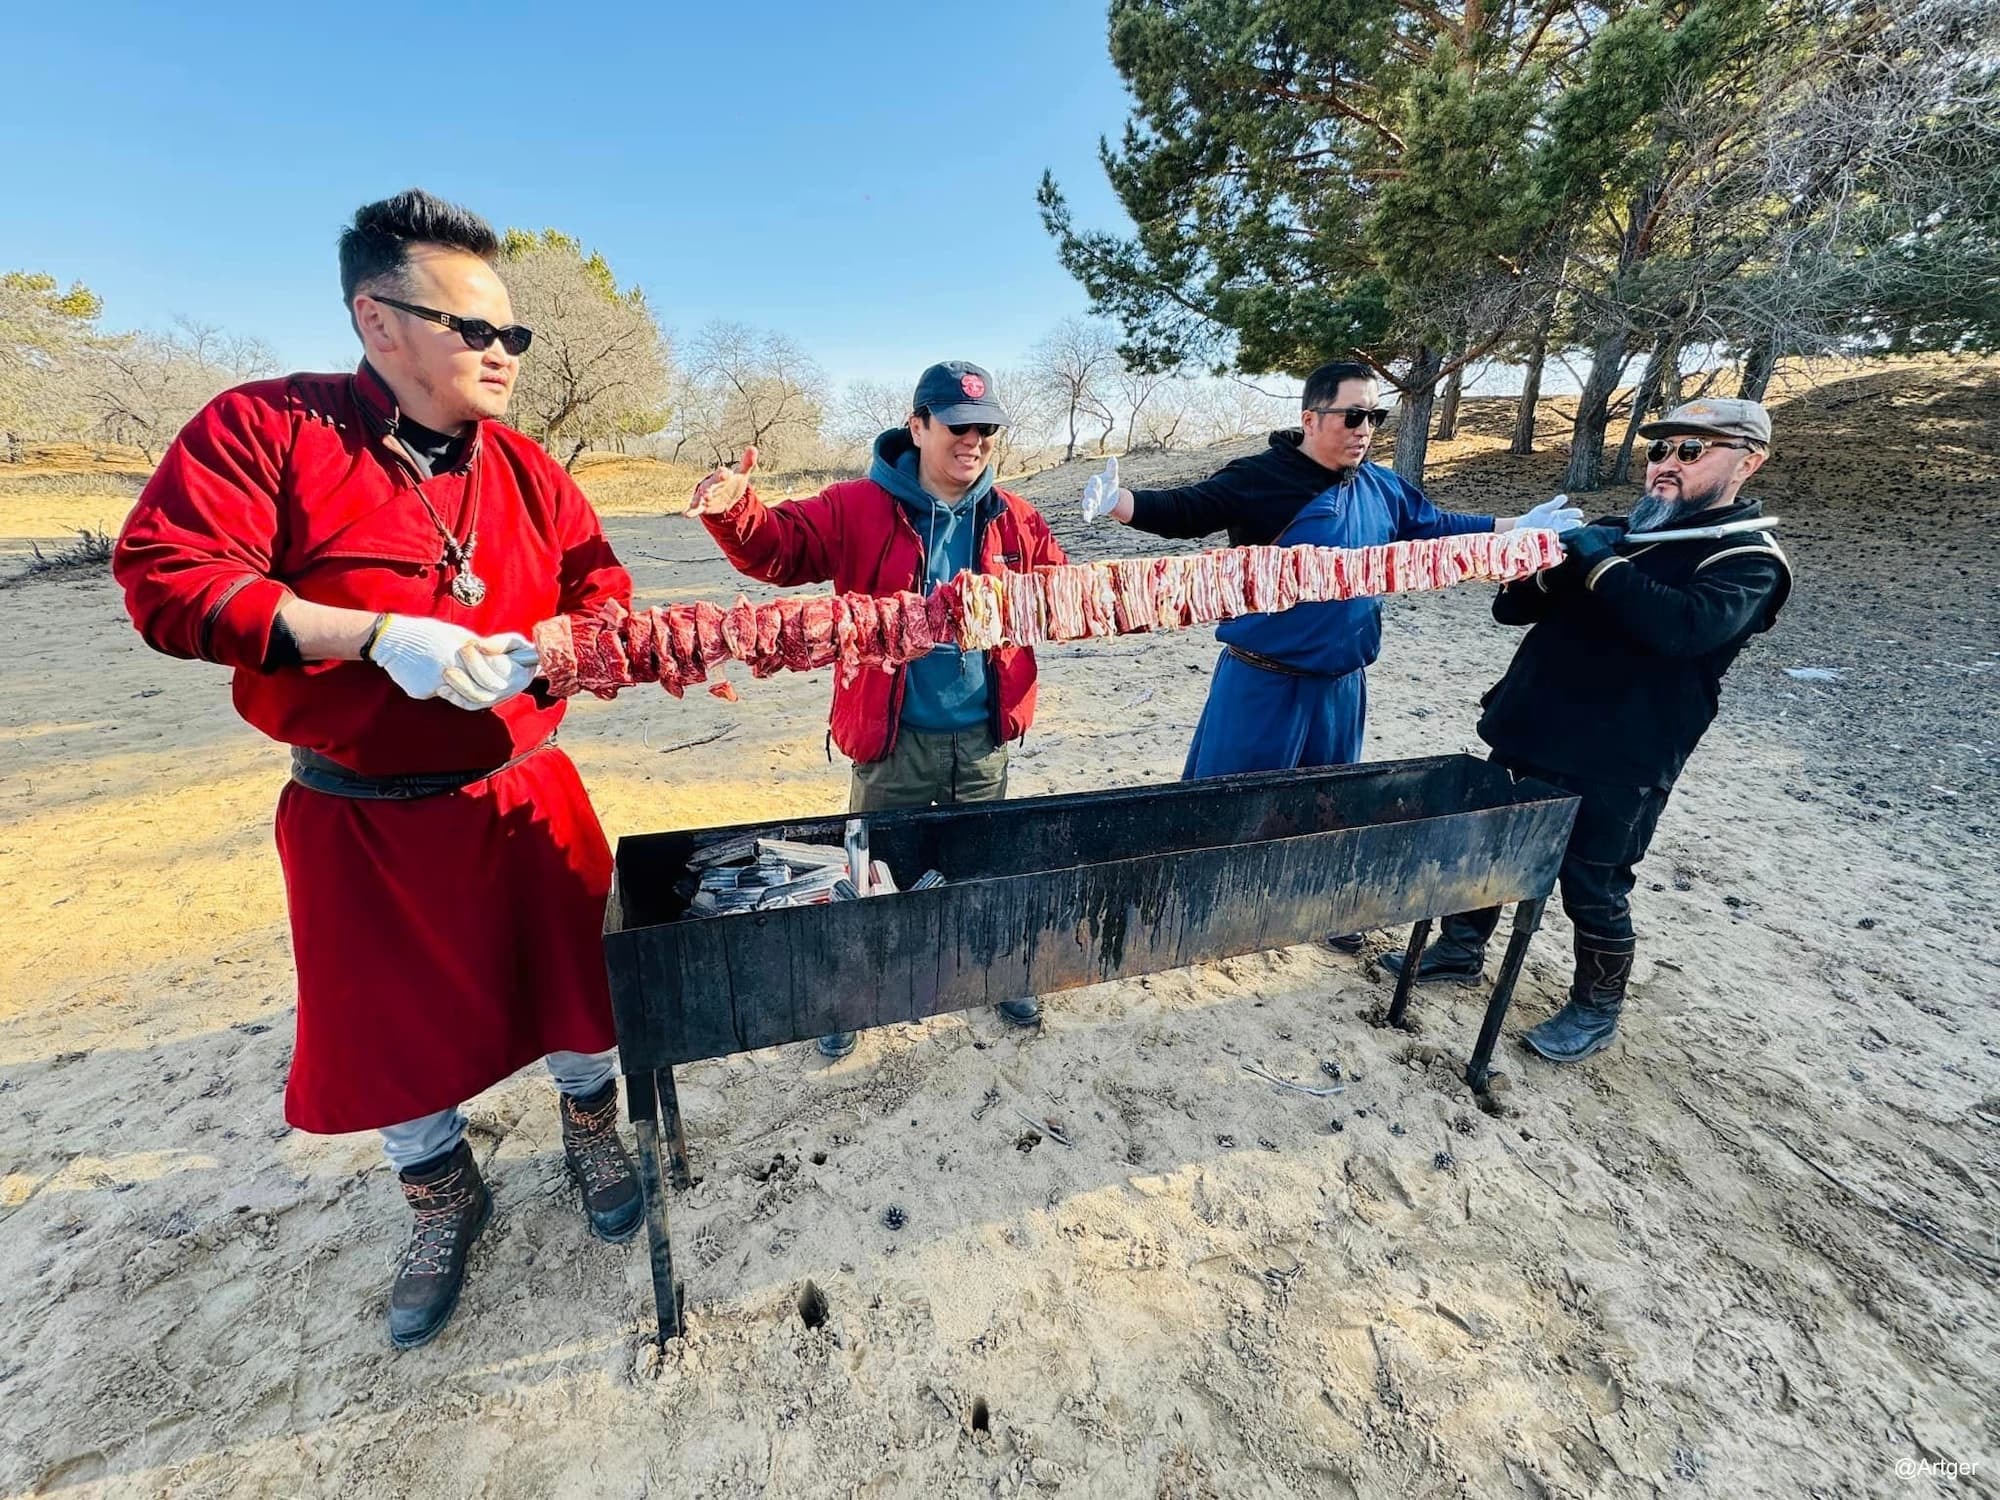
1653,511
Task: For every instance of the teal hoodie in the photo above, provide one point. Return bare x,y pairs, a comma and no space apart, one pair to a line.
945,690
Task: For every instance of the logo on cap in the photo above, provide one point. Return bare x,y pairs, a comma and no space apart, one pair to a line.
973,386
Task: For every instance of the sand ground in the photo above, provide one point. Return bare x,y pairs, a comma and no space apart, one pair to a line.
1750,1251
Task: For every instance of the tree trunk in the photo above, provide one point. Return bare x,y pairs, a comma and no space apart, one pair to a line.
1531,393
569,464
1757,367
1593,413
1528,409
1413,414
1672,383
1454,387
1070,452
1642,405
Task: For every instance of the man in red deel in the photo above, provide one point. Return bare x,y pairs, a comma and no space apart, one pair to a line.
365,552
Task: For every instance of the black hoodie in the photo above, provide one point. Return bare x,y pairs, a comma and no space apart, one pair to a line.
1254,498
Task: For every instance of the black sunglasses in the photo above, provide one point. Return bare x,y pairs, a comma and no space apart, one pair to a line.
960,429
1353,416
1688,450
477,332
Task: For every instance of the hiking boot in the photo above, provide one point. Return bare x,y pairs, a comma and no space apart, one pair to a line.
837,1044
600,1165
1589,1021
1457,953
1026,1012
451,1205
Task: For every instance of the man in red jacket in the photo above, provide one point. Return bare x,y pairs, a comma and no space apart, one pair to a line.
937,730
364,551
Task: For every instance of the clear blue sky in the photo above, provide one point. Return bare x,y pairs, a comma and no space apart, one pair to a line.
861,177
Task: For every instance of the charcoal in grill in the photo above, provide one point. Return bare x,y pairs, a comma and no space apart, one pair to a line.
801,857
724,852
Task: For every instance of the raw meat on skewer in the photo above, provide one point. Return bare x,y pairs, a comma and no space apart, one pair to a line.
681,643
816,619
555,645
606,648
889,615
667,668
1100,600
739,630
1025,611
708,635
642,656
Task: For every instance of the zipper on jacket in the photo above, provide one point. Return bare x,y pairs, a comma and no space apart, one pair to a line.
896,687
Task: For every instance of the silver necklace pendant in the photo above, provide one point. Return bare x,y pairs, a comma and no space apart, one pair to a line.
468,588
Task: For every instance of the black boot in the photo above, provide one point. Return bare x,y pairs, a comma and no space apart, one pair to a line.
452,1206
1457,953
600,1165
1590,1020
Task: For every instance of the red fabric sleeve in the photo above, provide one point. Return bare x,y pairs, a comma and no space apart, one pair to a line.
792,544
194,558
1044,551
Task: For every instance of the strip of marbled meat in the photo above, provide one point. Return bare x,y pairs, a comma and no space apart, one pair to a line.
555,644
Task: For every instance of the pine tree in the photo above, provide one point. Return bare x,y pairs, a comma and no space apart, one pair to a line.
1313,180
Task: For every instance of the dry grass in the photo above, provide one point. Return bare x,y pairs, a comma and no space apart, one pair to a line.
88,461
89,553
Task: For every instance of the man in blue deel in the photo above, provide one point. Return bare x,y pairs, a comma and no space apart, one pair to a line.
1291,689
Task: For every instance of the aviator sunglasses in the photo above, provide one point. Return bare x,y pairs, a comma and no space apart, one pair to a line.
1688,450
1354,416
477,332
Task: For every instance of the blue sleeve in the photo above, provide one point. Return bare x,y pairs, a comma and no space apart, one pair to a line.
1417,520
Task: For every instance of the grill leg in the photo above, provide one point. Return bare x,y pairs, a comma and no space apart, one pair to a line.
1527,918
643,1095
1399,1004
675,1132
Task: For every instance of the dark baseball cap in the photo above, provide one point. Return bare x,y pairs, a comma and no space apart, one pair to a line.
956,392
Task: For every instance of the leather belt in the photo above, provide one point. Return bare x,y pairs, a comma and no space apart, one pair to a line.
1283,668
316,773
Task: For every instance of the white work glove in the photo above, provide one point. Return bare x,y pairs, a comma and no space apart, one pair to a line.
1100,492
436,659
1556,515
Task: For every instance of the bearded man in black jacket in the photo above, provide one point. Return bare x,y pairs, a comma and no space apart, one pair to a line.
1617,680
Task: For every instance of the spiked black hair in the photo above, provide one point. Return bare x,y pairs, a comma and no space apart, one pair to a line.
376,246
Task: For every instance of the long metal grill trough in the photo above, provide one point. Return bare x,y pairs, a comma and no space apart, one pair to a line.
1050,893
